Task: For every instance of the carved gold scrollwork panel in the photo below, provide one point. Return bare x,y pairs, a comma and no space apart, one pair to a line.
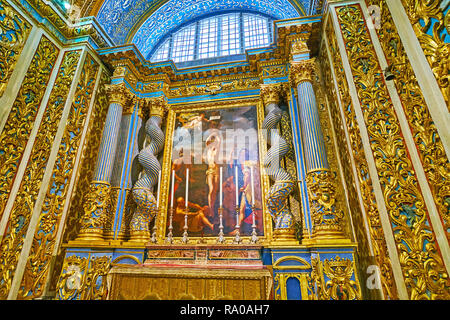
89,158
429,144
14,32
432,28
349,123
13,140
421,261
44,241
37,163
364,254
333,279
90,153
83,278
21,118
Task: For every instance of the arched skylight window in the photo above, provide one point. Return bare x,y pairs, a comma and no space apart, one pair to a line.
217,36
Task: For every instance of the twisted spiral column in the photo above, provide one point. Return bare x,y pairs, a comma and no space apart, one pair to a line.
143,189
97,199
283,185
327,216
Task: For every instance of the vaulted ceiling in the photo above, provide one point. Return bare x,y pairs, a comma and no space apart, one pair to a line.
145,22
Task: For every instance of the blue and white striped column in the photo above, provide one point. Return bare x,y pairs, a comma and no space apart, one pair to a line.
97,199
326,215
128,150
315,152
107,152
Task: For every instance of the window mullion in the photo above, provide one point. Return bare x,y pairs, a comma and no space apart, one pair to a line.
197,39
241,33
170,47
269,29
219,36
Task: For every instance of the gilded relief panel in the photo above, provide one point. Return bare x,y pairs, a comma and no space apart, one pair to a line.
13,140
365,183
425,277
45,235
364,254
84,278
430,20
89,159
14,32
429,144
20,121
37,163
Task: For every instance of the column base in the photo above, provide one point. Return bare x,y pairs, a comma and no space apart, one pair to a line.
285,236
108,235
329,237
140,236
91,235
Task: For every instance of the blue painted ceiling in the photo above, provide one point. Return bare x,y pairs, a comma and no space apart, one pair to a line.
145,22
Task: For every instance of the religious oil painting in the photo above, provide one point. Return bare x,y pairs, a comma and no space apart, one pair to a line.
215,177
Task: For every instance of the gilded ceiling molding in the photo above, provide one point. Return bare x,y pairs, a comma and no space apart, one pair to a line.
63,25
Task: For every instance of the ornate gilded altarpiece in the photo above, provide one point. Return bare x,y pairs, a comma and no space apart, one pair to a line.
379,192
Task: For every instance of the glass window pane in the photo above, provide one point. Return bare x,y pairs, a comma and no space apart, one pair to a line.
230,34
208,38
256,32
226,28
162,53
183,44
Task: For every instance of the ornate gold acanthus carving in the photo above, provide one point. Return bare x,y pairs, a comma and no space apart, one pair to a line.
326,214
425,277
154,107
430,21
339,285
301,71
14,32
118,93
299,46
96,207
271,93
365,187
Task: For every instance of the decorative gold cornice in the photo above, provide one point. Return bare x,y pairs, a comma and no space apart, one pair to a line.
271,93
299,46
301,71
63,25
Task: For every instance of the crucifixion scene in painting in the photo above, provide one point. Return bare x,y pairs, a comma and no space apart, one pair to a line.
215,165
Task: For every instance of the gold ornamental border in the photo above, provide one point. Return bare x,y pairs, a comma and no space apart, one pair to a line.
161,218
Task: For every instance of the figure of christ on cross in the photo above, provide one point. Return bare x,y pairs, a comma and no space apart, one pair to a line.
212,173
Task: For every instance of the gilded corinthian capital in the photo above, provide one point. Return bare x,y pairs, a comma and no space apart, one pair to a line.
301,71
271,93
155,107
118,93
